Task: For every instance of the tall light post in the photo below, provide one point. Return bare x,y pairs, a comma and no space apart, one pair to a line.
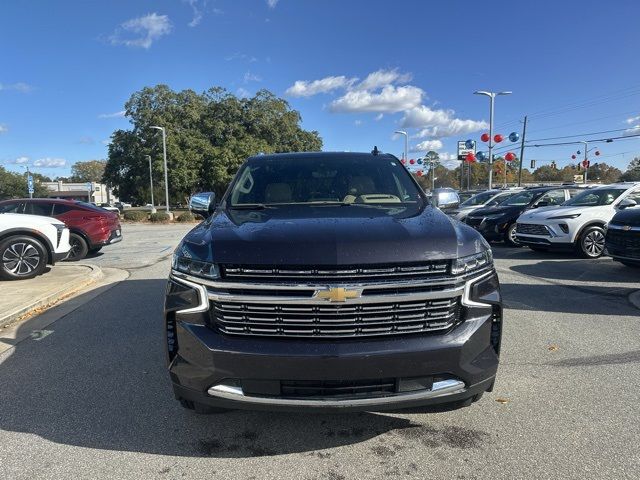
153,205
166,176
492,96
406,142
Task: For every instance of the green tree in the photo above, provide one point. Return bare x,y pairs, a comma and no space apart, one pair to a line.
632,174
89,171
14,185
601,172
208,137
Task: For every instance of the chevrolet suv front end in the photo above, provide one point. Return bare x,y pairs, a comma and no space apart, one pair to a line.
327,282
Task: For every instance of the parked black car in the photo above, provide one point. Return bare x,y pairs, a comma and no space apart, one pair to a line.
499,222
622,239
327,281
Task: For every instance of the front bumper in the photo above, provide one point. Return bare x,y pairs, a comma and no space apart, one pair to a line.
249,372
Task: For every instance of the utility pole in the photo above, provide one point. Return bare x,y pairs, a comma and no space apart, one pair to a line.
524,132
166,175
406,143
585,164
151,182
492,97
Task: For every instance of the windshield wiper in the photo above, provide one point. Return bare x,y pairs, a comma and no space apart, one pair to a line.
249,206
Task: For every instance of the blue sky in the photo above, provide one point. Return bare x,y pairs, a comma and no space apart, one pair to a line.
356,70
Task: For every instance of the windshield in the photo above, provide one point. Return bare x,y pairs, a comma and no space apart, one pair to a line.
522,198
343,180
501,197
595,197
478,199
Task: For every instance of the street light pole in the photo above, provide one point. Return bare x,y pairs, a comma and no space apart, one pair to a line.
492,97
584,164
153,205
166,176
406,142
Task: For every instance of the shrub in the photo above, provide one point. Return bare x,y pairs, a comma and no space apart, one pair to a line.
135,215
160,217
186,217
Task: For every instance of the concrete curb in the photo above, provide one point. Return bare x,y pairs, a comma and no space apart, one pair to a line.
634,298
44,301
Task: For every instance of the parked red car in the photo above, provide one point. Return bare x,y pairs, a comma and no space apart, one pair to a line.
91,227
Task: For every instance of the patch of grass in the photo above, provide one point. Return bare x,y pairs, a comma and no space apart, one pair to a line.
186,217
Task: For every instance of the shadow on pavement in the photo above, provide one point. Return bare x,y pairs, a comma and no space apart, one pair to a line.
506,252
564,299
98,380
594,271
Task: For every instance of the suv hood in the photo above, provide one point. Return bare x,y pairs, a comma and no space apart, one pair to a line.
331,235
553,211
21,219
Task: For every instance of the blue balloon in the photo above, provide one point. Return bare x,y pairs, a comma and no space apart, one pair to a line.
578,152
514,137
480,156
469,143
419,161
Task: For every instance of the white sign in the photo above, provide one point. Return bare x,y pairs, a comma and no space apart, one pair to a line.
463,150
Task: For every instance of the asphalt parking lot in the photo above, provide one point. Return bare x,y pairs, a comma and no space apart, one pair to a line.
92,399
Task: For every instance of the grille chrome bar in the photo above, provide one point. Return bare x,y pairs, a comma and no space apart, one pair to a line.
532,229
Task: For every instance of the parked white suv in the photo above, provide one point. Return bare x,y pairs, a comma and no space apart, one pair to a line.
28,243
579,222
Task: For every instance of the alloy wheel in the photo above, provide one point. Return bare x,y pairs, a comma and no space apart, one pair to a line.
593,243
20,258
75,248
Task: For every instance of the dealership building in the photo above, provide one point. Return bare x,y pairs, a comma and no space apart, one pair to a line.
85,191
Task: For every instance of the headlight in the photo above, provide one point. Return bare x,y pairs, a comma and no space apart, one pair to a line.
564,217
195,267
471,263
494,216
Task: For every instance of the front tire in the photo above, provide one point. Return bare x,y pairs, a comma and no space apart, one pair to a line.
79,248
510,236
591,242
21,258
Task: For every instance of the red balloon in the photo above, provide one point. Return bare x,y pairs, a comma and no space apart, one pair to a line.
485,137
470,157
585,163
510,157
419,173
597,152
404,162
412,161
573,157
498,138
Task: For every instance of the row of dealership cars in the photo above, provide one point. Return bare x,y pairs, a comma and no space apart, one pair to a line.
590,220
36,232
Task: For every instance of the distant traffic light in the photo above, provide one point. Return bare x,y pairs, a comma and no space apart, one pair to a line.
533,164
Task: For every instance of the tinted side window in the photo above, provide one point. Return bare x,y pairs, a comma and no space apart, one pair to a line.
14,207
38,209
59,209
553,197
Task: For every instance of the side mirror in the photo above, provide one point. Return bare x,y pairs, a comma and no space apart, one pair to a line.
626,203
446,201
203,204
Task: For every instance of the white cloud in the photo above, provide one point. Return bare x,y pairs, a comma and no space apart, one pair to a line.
378,117
390,99
382,78
303,88
241,56
427,145
86,140
106,141
142,31
439,123
19,161
50,162
119,114
272,3
3,128
635,130
197,11
628,120
357,123
243,93
251,77
18,87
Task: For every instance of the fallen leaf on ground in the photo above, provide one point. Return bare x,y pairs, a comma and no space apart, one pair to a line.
501,400
553,348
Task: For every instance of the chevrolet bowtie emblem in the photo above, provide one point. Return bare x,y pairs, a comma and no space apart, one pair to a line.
337,294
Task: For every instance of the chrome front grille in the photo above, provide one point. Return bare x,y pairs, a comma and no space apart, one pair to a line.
532,229
333,320
338,274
